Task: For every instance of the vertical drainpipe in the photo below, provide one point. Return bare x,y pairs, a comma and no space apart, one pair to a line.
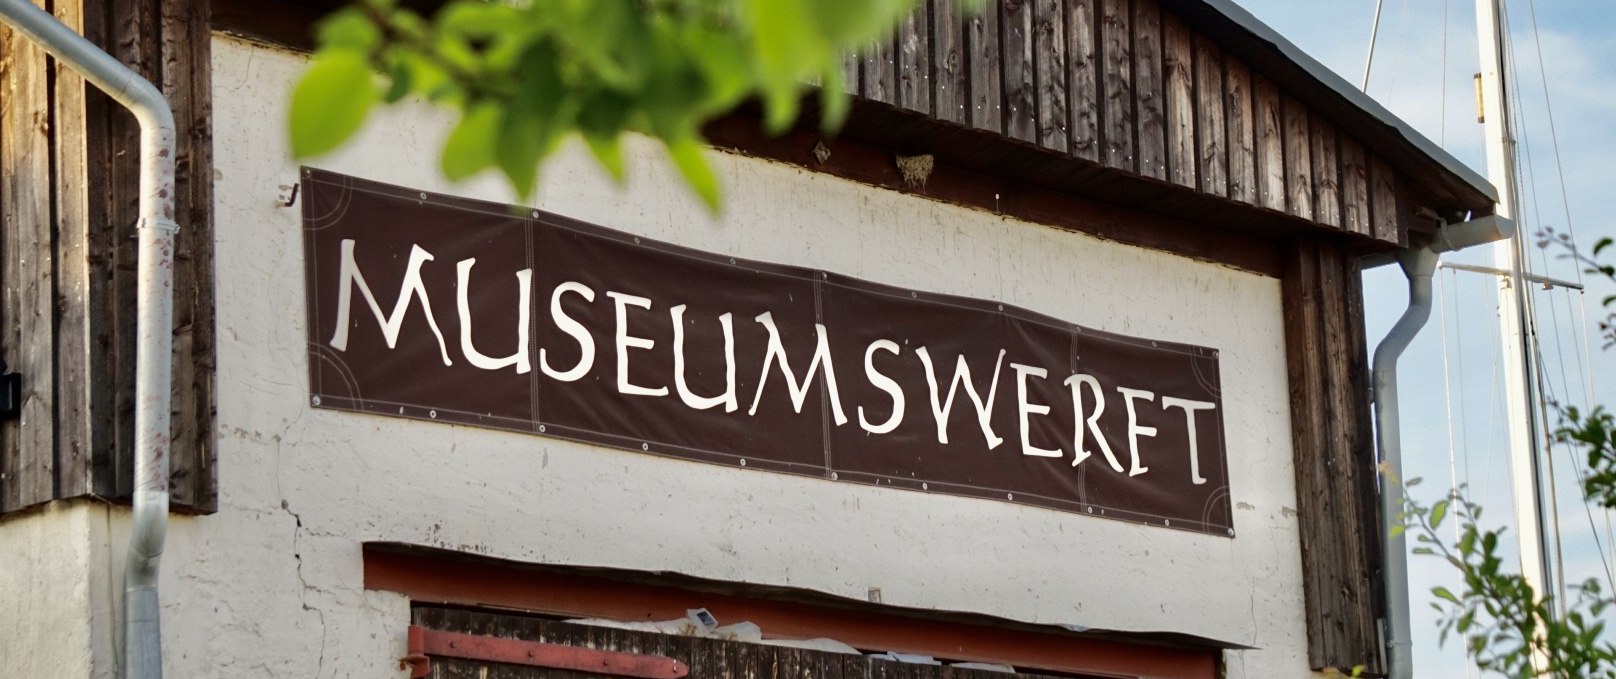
1419,264
143,657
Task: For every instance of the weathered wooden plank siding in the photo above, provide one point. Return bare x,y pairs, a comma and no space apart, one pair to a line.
1326,171
987,85
1149,89
1116,75
915,62
76,266
1242,140
1130,85
28,474
1298,132
879,80
1354,188
77,283
1210,135
1269,128
1180,64
1049,55
1334,463
187,78
1020,84
950,93
1083,94
1385,210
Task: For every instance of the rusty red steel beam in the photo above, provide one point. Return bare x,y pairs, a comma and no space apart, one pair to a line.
425,644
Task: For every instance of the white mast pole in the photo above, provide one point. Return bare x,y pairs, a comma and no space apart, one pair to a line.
1513,306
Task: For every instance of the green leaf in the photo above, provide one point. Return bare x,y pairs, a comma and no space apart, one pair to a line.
1438,512
608,151
687,154
535,121
469,149
347,28
834,101
783,49
1443,593
331,102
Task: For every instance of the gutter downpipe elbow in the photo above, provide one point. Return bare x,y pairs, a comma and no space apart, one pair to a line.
154,317
1419,265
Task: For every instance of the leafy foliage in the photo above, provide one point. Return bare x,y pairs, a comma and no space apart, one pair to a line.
1503,622
1506,626
524,75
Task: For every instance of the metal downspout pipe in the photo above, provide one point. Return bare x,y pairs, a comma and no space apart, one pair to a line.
154,317
1419,264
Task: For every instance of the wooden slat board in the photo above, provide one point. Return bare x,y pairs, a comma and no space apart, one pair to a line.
951,96
28,471
987,81
879,80
1326,171
1385,210
1083,92
1210,134
1268,122
915,62
1180,63
1242,141
1116,82
1020,74
1298,132
1354,188
1149,89
1049,55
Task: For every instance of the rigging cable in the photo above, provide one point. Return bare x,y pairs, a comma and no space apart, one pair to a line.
1442,79
1571,241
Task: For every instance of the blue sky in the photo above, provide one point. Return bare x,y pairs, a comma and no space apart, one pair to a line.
1453,431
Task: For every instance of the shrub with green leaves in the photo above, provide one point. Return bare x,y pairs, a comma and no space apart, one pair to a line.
523,75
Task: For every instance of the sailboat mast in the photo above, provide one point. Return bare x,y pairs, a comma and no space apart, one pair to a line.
1513,304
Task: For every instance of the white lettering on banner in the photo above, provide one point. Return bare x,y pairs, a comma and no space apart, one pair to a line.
885,384
1134,429
412,288
1092,422
1088,396
962,375
798,390
1026,409
524,286
620,303
1190,407
569,325
677,314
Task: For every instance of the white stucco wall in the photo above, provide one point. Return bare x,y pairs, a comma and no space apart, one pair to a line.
55,596
271,586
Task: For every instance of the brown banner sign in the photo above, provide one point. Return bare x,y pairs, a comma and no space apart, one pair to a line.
435,307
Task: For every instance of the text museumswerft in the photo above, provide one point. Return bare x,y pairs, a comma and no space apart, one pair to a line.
522,320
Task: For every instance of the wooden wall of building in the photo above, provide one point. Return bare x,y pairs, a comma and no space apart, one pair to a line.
1127,85
70,158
